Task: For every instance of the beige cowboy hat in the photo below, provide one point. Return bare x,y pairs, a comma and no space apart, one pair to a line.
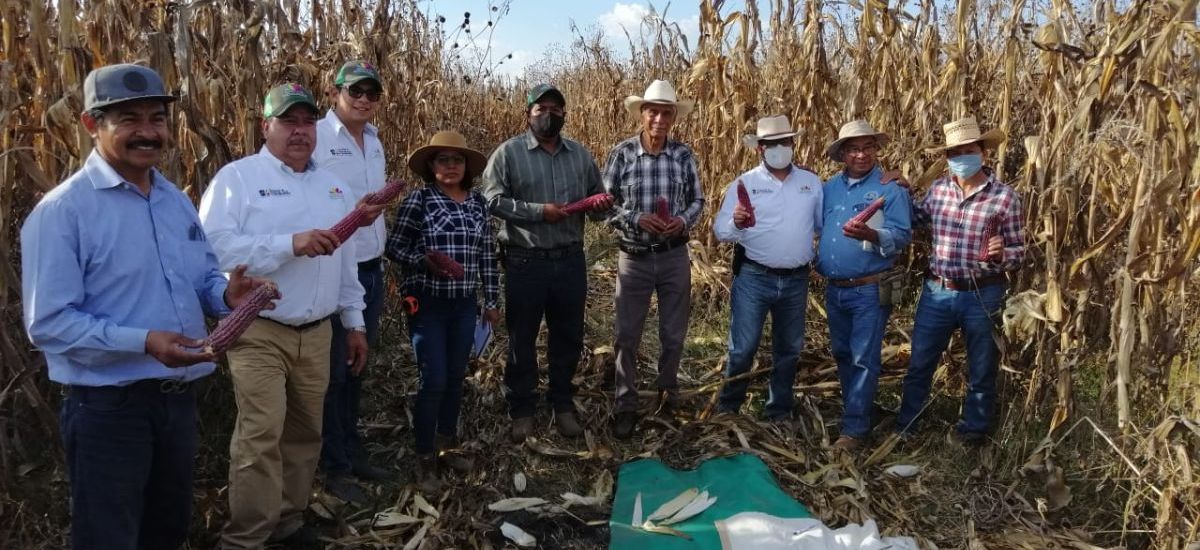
662,93
769,128
966,130
418,161
850,130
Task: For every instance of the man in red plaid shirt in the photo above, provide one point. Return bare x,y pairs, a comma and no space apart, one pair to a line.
978,236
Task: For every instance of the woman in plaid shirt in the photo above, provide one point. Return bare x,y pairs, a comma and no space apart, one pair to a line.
978,234
445,217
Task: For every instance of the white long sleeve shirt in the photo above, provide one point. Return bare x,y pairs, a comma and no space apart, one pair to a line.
787,216
250,212
362,170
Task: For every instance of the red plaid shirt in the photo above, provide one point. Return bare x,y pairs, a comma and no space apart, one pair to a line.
958,225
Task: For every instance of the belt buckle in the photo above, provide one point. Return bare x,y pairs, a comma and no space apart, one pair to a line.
172,386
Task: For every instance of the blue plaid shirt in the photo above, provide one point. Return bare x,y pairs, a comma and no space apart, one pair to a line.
637,178
428,219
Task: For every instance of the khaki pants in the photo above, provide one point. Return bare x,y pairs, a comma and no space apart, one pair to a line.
279,379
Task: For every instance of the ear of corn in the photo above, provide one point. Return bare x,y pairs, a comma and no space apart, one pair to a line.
444,265
351,222
233,325
866,213
585,204
662,209
744,200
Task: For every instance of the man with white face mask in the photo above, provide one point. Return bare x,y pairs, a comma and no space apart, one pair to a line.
978,236
774,237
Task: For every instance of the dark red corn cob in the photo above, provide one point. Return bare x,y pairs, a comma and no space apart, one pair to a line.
349,224
744,200
990,229
662,209
445,265
585,205
232,327
866,213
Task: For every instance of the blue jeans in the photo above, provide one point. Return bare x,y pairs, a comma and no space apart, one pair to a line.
130,452
341,447
939,313
555,289
856,325
442,331
755,293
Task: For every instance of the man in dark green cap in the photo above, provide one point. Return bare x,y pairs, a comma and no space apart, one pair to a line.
271,211
348,146
527,182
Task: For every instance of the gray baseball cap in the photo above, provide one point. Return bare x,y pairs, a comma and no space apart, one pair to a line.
113,84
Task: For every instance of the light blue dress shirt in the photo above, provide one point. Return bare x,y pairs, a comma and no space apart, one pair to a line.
102,265
839,256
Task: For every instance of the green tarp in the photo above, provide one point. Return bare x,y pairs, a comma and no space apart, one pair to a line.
741,483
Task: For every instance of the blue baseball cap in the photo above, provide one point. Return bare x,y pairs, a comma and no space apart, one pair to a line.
113,84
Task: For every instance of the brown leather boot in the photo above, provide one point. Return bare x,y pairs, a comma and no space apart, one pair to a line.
451,455
428,480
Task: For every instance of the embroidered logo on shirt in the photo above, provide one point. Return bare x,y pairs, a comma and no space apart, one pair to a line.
870,196
761,191
805,188
273,192
377,154
341,152
335,193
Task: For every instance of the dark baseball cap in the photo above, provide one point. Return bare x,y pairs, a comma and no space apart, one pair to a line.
356,71
113,84
284,97
542,90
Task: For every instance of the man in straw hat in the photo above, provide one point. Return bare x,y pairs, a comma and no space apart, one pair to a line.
774,248
527,182
261,211
641,172
856,258
117,277
348,146
978,236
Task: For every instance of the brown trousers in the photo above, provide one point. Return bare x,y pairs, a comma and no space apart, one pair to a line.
279,379
669,274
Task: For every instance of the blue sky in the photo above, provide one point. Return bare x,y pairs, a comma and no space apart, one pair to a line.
530,27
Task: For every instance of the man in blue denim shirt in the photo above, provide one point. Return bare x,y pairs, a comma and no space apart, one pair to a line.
117,277
855,257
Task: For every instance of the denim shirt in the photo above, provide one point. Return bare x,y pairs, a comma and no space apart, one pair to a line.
841,257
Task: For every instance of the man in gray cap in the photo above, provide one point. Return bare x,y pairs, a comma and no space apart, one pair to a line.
527,182
117,277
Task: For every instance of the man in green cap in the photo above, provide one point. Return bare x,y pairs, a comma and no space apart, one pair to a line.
348,146
270,211
527,182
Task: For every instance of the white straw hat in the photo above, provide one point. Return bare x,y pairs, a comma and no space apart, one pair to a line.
769,128
966,130
660,92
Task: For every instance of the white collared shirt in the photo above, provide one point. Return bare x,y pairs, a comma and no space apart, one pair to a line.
787,216
361,170
250,212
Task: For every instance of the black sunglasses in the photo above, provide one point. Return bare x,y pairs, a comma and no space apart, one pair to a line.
356,93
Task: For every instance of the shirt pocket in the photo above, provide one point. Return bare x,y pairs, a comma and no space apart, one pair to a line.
440,220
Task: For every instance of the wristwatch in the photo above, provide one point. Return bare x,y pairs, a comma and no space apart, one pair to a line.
359,329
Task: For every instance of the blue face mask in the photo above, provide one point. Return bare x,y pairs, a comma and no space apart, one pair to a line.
965,166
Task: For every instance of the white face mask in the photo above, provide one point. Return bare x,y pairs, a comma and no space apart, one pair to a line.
778,156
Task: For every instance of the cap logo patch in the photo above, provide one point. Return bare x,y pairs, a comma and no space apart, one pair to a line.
134,81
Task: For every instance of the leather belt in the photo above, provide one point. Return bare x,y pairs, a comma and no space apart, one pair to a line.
370,265
779,271
857,281
969,284
141,387
543,253
638,249
300,327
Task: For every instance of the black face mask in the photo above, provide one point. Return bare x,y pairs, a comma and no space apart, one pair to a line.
547,125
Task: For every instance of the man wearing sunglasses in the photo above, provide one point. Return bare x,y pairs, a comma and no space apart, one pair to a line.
348,146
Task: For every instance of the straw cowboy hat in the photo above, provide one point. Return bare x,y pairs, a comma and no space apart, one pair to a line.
966,130
769,128
660,92
851,130
418,161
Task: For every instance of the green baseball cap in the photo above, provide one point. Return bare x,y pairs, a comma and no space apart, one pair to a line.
284,97
356,71
540,91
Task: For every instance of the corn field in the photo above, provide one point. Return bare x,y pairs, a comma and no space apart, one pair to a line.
1100,100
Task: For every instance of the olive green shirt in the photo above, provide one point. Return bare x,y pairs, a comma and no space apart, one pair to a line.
521,177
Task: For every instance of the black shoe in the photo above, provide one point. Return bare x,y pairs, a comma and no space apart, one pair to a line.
344,488
624,424
304,538
364,471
